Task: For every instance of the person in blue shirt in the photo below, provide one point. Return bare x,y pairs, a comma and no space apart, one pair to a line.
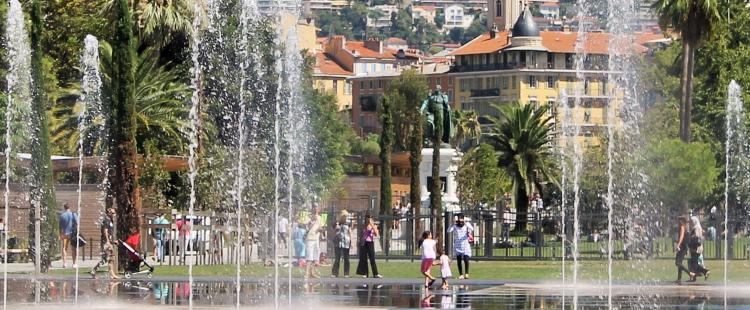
159,235
67,231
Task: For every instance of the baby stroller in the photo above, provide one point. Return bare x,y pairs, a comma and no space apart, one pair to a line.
136,263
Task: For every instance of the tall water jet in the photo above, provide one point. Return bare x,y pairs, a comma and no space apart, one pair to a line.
89,113
737,167
581,81
18,107
624,139
194,131
564,127
248,20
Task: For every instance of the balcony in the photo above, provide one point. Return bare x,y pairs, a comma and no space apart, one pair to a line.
491,92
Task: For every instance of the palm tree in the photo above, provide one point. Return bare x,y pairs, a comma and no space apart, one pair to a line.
693,20
468,128
158,21
521,136
161,105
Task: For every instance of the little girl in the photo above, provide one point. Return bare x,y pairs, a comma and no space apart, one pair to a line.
445,268
427,244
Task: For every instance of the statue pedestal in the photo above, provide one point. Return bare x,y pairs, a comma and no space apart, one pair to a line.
449,160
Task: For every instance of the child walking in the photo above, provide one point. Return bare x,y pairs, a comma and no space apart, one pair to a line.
445,268
427,244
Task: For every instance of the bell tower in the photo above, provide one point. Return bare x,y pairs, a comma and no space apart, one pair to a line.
504,13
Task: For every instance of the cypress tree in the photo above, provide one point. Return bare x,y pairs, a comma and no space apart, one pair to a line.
42,191
122,156
387,138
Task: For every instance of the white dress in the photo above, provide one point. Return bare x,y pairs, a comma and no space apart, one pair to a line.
445,267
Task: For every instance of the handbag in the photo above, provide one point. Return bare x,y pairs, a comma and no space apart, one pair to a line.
80,241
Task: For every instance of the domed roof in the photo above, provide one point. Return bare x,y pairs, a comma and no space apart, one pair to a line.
525,25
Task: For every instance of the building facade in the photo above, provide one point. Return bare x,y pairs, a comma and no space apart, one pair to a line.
537,67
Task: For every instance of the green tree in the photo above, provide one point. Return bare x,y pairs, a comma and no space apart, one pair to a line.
693,20
479,178
478,27
680,172
161,104
521,135
407,92
67,24
42,191
325,161
122,156
440,20
468,128
386,147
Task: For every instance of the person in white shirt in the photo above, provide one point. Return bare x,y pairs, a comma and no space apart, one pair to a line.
461,231
445,268
283,224
427,244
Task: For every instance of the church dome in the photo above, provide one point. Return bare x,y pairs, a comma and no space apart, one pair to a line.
525,25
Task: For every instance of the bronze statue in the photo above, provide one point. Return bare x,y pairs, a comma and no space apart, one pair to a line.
437,102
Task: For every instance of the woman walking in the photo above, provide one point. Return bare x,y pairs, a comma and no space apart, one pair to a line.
462,231
681,249
366,242
695,245
343,241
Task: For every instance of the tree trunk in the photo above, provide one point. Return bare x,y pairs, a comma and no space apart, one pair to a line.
436,193
42,191
521,203
386,194
123,153
686,89
415,159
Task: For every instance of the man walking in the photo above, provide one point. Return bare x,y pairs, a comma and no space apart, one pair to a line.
67,229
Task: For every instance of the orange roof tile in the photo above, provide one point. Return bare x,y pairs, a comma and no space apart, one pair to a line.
326,65
483,44
554,41
364,52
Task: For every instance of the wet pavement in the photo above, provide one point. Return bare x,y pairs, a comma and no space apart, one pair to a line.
356,293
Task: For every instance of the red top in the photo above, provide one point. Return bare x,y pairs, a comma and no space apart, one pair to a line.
134,240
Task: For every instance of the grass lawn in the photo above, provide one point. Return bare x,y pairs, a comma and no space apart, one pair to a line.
658,270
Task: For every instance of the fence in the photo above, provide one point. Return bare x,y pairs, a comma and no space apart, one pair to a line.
504,237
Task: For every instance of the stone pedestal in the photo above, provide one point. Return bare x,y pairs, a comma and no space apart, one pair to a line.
449,160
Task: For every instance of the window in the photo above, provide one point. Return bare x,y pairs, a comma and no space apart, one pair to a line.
348,88
380,83
372,84
513,83
450,81
335,86
437,81
550,82
550,60
534,103
368,103
532,81
462,85
551,108
505,82
373,68
533,59
499,8
362,85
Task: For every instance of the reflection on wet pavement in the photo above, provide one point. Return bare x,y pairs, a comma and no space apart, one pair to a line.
103,294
